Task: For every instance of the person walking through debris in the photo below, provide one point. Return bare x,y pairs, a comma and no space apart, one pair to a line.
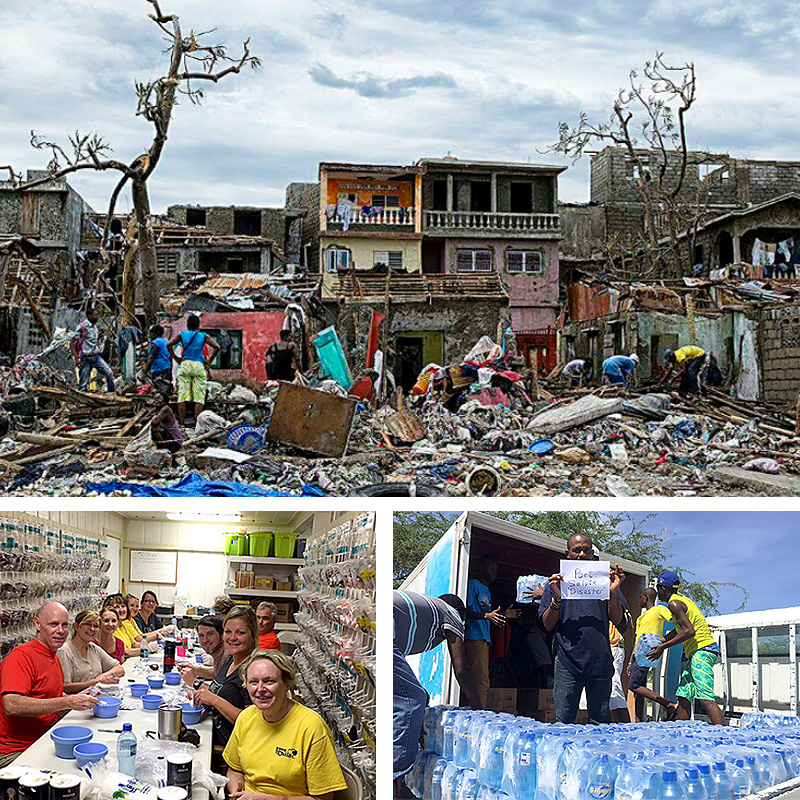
700,650
480,618
159,362
192,372
617,370
690,359
88,352
281,359
579,371
422,623
583,650
651,620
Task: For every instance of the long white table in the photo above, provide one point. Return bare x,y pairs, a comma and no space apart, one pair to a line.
42,755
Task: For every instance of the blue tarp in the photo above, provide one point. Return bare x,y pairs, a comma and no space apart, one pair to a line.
194,485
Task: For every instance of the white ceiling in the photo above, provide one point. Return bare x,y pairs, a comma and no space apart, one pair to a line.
282,519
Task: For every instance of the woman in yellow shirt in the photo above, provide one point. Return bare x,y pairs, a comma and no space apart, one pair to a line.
278,746
128,631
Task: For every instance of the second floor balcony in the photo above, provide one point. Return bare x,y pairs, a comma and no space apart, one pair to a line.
343,217
501,223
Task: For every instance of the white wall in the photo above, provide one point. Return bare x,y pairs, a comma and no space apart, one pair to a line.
201,557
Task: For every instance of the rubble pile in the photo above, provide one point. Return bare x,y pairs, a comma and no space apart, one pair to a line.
487,436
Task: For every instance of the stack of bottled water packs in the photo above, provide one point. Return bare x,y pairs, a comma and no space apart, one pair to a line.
482,755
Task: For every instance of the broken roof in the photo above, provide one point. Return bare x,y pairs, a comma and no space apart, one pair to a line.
451,162
361,287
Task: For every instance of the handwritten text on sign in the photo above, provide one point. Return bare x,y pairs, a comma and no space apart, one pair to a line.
585,580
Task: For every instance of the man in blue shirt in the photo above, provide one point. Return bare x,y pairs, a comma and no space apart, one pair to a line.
618,369
583,653
480,618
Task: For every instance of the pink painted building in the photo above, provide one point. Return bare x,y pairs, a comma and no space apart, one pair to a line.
486,216
249,332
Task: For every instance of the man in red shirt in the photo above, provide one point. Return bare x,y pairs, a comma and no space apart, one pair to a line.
32,685
267,638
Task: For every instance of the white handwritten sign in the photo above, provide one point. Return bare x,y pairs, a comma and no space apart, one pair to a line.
585,580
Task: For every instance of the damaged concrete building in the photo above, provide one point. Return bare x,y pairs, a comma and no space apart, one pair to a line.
752,331
422,242
719,194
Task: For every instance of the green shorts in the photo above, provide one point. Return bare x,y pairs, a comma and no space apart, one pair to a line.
697,676
192,382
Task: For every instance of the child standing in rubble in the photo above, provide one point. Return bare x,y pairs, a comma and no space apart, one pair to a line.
192,372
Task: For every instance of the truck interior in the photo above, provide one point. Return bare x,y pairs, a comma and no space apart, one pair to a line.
515,558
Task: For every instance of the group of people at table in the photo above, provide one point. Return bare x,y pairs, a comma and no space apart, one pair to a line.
268,743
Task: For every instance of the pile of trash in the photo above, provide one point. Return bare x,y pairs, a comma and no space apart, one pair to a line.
475,428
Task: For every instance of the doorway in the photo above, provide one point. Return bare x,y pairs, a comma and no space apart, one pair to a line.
432,256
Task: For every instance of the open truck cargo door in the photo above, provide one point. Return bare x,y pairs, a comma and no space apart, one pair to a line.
450,564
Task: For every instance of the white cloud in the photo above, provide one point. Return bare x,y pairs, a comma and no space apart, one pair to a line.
488,79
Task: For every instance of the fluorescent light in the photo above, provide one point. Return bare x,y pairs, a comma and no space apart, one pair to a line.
189,516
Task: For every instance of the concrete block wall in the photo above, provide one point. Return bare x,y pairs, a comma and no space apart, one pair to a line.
779,348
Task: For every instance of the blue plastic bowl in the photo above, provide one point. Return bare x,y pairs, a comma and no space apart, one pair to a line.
107,707
151,702
172,678
190,713
155,682
66,737
139,689
89,753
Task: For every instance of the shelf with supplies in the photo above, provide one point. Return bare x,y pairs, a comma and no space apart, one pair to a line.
335,655
279,562
262,593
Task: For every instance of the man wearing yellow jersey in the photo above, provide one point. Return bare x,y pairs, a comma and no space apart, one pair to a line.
651,620
690,359
699,648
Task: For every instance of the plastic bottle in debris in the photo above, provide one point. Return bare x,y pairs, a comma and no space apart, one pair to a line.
126,750
723,780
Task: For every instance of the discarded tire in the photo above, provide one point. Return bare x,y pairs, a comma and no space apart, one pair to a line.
397,490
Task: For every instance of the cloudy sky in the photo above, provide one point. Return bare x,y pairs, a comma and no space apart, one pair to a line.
386,81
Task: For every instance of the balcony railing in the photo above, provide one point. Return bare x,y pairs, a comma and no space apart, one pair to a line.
371,216
492,221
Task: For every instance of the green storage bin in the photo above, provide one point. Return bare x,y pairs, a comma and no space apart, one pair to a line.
236,544
260,543
284,544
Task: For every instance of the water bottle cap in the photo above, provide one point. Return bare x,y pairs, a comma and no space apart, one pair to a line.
705,769
691,773
739,762
719,766
669,775
126,726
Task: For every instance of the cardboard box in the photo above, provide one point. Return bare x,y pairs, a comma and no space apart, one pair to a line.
502,700
544,698
283,586
264,582
545,715
285,612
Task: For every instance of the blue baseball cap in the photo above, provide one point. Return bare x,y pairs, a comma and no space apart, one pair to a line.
668,578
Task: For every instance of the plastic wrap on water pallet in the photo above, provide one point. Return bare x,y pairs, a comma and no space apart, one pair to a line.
528,583
480,755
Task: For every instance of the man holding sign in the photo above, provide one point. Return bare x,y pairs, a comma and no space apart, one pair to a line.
578,603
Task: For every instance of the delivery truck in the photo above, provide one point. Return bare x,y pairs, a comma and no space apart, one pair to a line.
757,670
451,562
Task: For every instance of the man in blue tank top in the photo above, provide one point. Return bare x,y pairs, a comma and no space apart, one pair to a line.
192,372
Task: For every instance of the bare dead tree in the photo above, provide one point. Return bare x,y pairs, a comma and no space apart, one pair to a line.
648,120
191,64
